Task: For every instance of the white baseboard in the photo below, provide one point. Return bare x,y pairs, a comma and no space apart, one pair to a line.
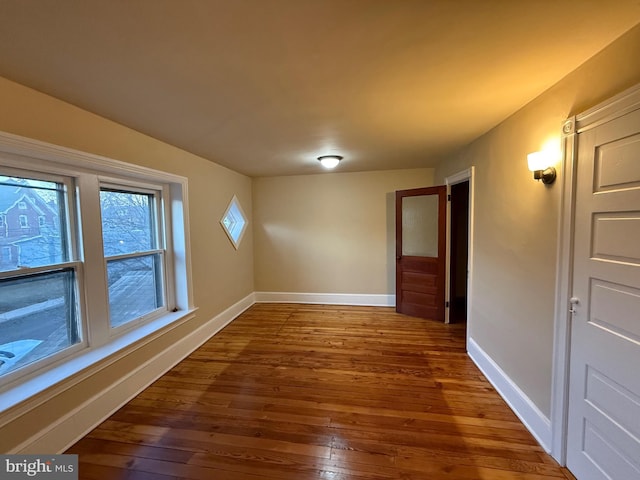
63,433
374,300
532,418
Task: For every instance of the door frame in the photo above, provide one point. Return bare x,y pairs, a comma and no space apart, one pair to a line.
463,176
617,106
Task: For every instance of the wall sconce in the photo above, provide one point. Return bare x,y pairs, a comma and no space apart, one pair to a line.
540,164
329,161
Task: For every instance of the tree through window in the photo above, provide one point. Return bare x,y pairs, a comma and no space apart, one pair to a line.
135,259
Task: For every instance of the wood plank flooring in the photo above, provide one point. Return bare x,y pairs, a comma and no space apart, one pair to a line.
304,392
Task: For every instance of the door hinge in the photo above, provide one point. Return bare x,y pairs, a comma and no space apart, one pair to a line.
448,197
446,304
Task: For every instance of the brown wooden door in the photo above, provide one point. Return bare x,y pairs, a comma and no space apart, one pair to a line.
420,252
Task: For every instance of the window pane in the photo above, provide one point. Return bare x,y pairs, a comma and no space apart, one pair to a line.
135,287
420,226
32,223
234,222
127,222
37,317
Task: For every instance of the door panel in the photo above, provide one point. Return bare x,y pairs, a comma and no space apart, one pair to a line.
420,252
604,387
609,230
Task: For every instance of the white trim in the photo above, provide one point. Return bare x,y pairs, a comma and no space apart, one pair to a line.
24,153
59,436
463,176
35,149
180,241
374,300
235,242
532,418
67,372
27,155
459,177
564,268
618,105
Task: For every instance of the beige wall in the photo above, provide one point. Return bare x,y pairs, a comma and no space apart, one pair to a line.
516,220
333,233
329,233
221,275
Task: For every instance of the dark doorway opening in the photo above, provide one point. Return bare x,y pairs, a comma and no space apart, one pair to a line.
459,248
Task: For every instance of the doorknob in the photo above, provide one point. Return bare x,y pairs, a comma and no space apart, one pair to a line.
574,301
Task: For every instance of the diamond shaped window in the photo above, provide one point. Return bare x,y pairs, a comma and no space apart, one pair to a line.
234,222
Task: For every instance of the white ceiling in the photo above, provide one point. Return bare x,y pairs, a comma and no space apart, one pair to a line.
266,86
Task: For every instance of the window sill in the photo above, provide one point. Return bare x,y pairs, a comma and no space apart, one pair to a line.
31,392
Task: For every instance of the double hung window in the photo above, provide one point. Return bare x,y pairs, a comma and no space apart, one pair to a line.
93,258
131,227
39,314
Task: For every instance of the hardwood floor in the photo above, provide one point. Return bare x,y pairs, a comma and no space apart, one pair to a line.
302,392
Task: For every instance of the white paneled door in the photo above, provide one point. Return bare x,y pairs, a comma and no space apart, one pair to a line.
604,393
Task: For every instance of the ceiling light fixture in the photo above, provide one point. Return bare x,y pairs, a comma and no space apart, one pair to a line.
329,161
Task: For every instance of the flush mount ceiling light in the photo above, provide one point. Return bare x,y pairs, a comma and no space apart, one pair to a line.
329,161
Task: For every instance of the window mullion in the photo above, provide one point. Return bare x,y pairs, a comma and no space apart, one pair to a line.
95,284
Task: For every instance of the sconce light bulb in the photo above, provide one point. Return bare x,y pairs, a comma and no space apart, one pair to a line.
537,161
540,163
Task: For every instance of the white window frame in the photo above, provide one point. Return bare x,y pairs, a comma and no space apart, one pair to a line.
72,263
100,344
22,205
163,222
24,224
235,235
